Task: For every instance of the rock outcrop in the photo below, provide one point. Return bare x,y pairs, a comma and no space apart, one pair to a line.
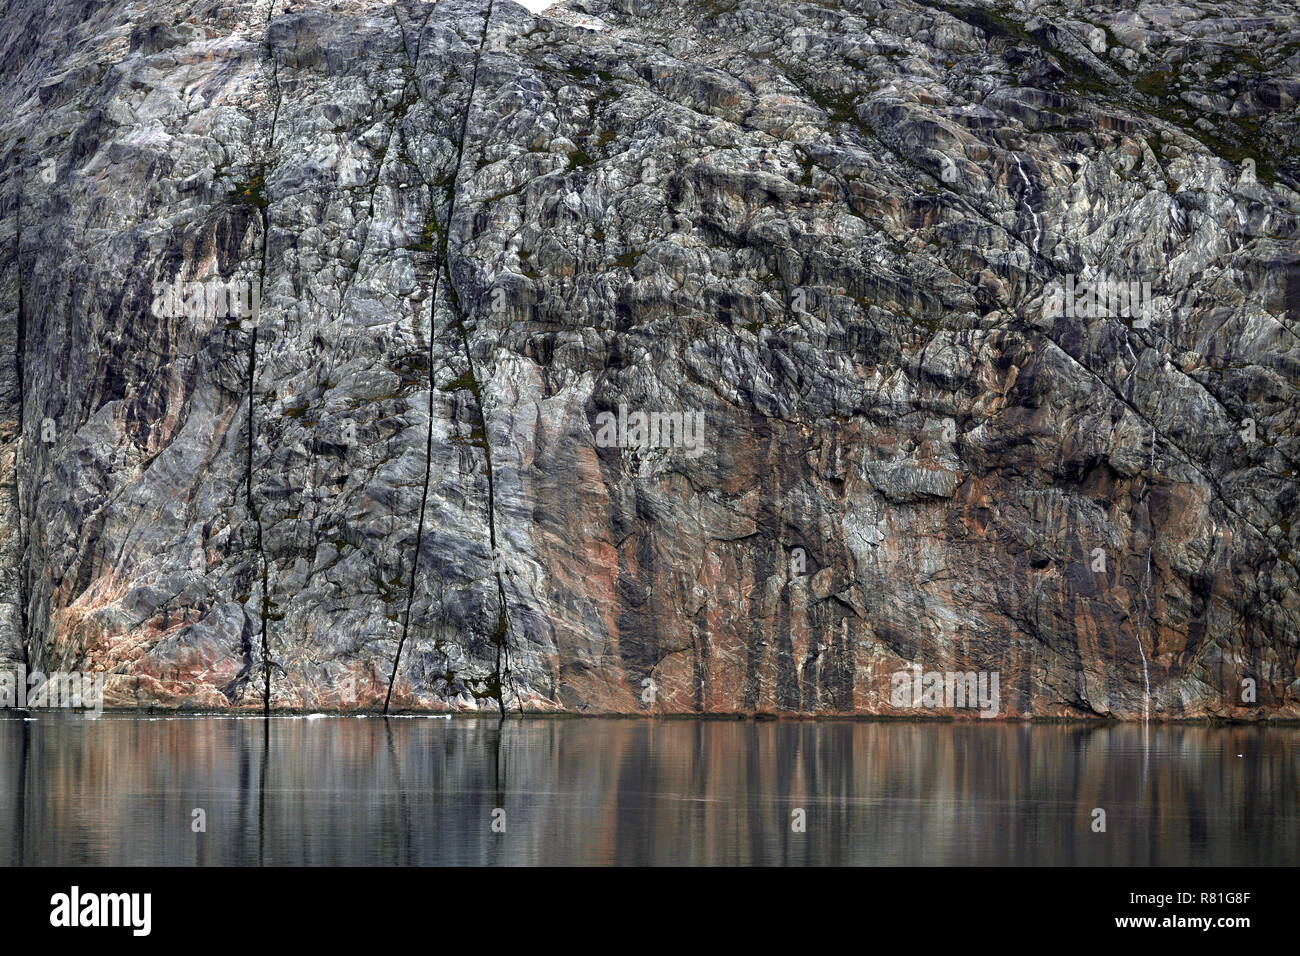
429,262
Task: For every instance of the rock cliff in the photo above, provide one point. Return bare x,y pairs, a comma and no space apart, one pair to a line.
326,330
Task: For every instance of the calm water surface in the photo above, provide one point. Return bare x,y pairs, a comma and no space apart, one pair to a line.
342,790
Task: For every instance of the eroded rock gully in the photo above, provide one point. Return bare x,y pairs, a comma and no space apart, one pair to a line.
831,228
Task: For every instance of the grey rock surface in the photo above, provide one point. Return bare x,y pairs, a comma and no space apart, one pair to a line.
834,230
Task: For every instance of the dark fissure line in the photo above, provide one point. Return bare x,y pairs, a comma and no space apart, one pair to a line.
265,219
443,266
253,510
20,456
501,636
428,435
405,105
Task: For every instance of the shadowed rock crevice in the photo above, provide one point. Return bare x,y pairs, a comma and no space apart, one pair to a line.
491,686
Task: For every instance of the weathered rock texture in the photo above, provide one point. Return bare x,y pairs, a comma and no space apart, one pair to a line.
829,227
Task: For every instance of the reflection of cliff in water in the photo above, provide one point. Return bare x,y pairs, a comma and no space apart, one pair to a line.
421,791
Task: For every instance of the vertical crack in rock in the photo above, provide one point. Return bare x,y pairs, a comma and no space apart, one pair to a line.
264,217
493,684
1146,586
24,560
428,441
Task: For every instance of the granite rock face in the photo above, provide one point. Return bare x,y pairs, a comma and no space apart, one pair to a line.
447,253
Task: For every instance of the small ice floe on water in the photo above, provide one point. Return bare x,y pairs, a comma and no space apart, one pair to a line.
405,716
315,716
